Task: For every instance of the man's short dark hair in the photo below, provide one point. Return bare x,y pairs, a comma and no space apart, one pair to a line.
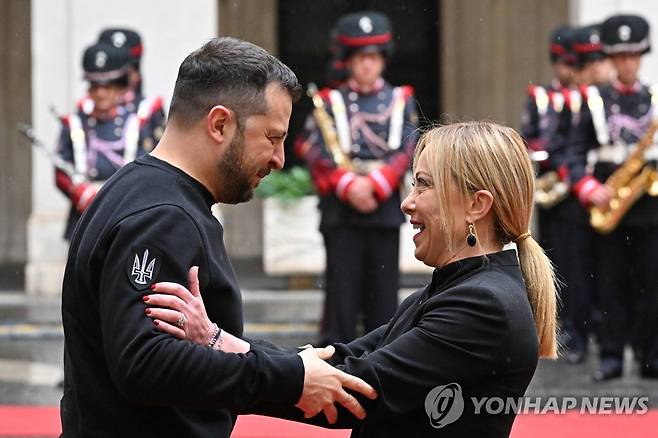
230,72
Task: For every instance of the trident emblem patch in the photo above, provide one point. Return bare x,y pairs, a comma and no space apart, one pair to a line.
143,267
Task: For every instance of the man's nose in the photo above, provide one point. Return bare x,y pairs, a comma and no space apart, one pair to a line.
279,158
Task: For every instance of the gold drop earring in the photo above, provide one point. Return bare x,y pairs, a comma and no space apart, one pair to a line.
471,239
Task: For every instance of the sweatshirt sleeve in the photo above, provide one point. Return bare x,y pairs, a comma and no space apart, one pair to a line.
159,244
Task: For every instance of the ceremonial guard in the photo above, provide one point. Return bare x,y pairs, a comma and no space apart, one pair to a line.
100,136
149,109
612,169
540,120
545,124
358,144
594,67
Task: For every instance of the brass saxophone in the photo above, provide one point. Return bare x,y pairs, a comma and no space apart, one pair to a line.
327,129
630,181
550,190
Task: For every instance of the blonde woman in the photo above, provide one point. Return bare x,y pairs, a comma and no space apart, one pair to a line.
475,332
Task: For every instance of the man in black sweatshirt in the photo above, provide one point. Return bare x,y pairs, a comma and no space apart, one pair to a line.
228,119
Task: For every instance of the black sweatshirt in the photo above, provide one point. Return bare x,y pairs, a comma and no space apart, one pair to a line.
150,223
471,326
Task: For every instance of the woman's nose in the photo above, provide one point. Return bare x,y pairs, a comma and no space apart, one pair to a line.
408,206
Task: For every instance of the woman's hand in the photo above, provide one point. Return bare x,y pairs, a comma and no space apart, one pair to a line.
181,313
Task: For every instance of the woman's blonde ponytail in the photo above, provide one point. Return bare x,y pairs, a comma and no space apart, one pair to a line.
541,284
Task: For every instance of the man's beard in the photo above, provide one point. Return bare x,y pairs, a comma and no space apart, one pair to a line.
237,185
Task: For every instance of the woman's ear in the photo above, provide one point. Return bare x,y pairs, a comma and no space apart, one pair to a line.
479,205
219,120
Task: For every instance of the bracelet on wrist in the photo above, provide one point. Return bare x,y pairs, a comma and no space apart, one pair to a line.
215,336
220,339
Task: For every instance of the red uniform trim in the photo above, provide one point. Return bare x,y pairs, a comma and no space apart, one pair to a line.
392,173
156,105
407,91
301,146
383,189
558,49
63,181
343,183
324,94
364,40
137,50
584,188
532,90
588,47
536,144
563,172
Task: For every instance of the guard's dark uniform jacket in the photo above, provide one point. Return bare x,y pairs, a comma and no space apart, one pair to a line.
150,223
566,236
471,329
377,133
541,119
545,123
150,111
613,118
99,147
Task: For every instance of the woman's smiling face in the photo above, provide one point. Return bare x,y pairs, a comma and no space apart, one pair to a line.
422,205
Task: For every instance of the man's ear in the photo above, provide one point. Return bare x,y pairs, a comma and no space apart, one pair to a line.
479,205
219,123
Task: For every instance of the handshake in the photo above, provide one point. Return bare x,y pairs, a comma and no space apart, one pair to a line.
325,385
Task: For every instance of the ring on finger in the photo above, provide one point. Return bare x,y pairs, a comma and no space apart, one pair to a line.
180,323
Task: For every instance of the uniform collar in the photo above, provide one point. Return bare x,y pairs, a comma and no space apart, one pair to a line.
131,96
627,89
354,86
556,85
114,112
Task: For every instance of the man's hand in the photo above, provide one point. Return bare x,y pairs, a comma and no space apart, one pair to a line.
361,195
601,196
324,385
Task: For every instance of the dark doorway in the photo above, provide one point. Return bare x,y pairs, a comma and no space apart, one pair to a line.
304,28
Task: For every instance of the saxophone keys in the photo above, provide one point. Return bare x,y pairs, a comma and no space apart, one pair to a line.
652,190
623,192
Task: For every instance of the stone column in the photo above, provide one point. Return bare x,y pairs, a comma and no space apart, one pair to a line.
14,149
254,21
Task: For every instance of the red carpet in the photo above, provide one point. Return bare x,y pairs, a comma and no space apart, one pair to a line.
33,421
